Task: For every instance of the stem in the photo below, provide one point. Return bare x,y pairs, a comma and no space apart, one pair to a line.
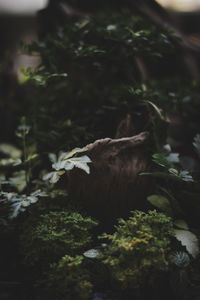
25,157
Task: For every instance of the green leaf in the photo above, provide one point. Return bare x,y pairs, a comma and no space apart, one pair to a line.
63,164
10,161
161,160
52,157
31,157
53,177
10,151
18,180
181,224
158,111
67,162
162,203
79,162
181,175
66,155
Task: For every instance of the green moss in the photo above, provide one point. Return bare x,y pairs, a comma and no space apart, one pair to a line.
137,251
69,278
47,238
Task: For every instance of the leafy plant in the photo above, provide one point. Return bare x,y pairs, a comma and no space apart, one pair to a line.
29,75
89,78
169,171
181,230
67,162
19,202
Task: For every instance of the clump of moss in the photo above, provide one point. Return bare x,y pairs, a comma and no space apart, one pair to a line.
54,234
69,278
137,250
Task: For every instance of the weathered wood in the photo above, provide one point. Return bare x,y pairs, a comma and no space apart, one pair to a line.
114,186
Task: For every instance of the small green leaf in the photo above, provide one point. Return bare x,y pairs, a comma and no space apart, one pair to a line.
52,157
53,177
18,180
10,161
71,153
156,109
31,157
162,203
63,164
81,163
181,224
10,151
161,160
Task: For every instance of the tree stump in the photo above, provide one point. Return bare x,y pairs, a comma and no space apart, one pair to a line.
114,186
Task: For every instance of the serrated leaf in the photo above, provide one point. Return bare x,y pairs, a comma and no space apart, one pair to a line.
189,240
81,163
161,202
61,165
53,177
70,163
71,153
161,160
